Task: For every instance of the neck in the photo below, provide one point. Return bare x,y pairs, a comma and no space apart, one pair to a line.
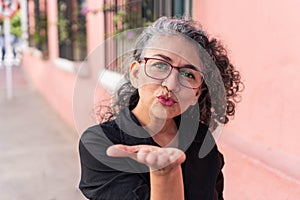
163,131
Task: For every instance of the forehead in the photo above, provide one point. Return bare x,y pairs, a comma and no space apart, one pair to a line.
175,46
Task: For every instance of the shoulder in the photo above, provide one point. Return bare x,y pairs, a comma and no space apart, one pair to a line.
95,141
103,177
107,131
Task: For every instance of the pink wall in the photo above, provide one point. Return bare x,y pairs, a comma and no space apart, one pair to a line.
31,19
263,42
55,84
95,25
52,29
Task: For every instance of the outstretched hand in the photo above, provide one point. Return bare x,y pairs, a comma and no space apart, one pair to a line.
156,158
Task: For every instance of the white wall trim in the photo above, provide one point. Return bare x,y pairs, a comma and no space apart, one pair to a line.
111,80
64,64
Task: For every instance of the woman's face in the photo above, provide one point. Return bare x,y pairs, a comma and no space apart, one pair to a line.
166,98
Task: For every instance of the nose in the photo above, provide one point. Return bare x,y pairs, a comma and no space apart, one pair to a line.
171,82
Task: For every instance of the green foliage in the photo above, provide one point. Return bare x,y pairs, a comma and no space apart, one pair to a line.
15,25
62,23
40,36
127,17
72,30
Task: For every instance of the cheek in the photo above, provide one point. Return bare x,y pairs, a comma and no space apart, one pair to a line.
145,82
147,91
186,100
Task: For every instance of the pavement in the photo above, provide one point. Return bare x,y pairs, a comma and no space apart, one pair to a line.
39,155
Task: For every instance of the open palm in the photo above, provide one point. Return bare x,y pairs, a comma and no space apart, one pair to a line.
156,158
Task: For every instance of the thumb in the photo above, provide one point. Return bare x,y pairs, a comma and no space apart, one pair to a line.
120,150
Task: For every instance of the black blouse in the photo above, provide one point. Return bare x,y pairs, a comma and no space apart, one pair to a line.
106,178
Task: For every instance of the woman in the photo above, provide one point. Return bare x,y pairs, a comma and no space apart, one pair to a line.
180,87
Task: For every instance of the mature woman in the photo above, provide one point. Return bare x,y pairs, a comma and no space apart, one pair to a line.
156,142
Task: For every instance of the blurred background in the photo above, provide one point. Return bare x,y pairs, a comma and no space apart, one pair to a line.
44,43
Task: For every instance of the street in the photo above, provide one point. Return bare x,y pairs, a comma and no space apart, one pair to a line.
39,157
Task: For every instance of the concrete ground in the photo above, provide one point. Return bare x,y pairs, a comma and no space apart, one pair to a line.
39,156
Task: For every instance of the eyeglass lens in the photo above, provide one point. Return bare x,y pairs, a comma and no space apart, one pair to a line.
159,69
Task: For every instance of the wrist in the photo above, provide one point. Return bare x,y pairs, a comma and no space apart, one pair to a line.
167,171
167,184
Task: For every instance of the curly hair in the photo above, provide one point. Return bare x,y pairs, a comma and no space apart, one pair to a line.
128,96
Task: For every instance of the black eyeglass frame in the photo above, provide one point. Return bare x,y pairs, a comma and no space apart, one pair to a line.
172,67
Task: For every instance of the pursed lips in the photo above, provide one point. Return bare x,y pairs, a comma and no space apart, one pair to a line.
165,100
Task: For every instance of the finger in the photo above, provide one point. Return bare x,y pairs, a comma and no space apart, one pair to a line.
158,159
120,150
142,154
151,158
162,161
177,157
168,158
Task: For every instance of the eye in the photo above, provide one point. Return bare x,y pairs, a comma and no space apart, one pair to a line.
160,65
187,74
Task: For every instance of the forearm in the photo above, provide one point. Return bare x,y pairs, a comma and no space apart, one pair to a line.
167,185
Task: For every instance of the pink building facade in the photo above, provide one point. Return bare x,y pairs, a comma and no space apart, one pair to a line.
262,40
261,148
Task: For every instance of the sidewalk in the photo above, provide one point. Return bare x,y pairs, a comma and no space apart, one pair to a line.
39,156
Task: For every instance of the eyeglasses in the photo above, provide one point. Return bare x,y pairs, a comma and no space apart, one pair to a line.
189,76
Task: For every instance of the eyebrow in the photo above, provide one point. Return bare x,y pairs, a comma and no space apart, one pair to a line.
191,67
168,59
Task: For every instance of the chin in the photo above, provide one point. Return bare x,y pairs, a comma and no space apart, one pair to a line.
162,112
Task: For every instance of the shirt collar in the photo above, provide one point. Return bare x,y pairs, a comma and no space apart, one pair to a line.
189,130
132,128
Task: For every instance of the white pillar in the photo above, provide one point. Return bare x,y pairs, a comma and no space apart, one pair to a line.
24,22
8,58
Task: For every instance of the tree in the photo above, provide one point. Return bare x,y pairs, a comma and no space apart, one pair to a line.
15,25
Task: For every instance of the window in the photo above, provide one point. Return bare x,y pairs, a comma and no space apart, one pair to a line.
72,30
182,7
129,14
38,33
124,15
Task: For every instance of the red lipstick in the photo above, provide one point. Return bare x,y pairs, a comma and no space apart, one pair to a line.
165,100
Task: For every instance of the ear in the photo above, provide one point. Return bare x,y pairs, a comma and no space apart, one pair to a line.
134,71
